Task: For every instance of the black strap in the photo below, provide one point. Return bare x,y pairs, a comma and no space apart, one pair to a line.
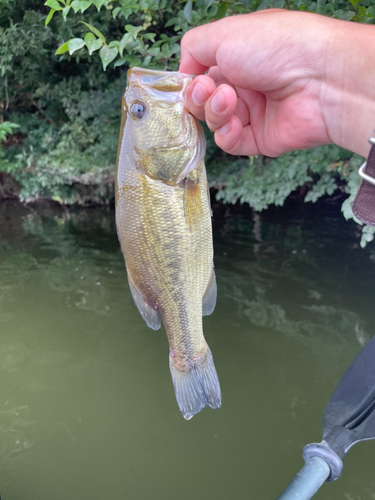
364,203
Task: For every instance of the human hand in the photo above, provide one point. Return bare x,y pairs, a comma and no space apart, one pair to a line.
281,80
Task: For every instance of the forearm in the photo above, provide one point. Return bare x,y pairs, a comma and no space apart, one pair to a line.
348,91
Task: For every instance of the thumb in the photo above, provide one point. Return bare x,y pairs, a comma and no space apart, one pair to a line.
199,47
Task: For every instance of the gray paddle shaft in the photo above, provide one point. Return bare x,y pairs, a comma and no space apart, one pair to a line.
307,482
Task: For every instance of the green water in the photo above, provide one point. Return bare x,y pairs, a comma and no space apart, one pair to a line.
87,409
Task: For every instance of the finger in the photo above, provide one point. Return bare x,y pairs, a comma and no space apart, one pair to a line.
242,111
198,49
198,93
215,73
220,107
235,139
218,77
255,103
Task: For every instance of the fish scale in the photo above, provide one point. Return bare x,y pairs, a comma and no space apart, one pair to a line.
163,219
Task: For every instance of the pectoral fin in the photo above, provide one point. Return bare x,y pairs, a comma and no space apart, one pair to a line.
209,297
148,313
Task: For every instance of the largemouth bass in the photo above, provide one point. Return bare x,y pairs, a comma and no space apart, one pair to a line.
163,219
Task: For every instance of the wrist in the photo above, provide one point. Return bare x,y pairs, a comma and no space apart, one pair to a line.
348,89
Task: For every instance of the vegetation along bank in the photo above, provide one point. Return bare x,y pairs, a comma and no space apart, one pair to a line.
63,69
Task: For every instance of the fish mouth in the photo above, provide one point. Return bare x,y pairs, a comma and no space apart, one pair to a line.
153,75
173,83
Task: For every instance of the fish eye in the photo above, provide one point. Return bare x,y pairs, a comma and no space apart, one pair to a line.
138,109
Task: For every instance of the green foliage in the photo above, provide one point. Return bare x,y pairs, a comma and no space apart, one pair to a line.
170,19
53,85
262,183
82,150
7,128
68,114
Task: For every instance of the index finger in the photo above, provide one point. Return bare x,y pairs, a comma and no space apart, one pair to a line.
198,49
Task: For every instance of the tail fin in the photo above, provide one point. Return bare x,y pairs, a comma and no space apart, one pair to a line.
196,388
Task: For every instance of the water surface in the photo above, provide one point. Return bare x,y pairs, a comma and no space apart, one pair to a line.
87,409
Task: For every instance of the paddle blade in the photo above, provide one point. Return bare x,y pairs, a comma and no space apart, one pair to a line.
349,415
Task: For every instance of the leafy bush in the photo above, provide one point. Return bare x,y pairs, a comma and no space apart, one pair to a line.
263,182
68,109
165,21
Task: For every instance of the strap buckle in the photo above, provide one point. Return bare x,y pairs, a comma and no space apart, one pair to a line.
361,170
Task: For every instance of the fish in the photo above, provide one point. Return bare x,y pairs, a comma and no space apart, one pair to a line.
163,221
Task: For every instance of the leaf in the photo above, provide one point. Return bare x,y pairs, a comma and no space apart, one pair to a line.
120,62
207,4
92,43
222,10
98,4
362,11
75,44
53,4
273,4
63,48
85,5
49,17
146,61
263,5
115,12
354,2
96,46
65,12
90,37
133,30
154,51
174,20
124,40
346,15
7,127
175,49
125,12
107,55
188,10
165,49
76,5
95,31
367,235
150,36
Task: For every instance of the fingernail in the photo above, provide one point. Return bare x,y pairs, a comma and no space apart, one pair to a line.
225,129
199,94
219,103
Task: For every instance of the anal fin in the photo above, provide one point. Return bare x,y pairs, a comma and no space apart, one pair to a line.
210,295
148,313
